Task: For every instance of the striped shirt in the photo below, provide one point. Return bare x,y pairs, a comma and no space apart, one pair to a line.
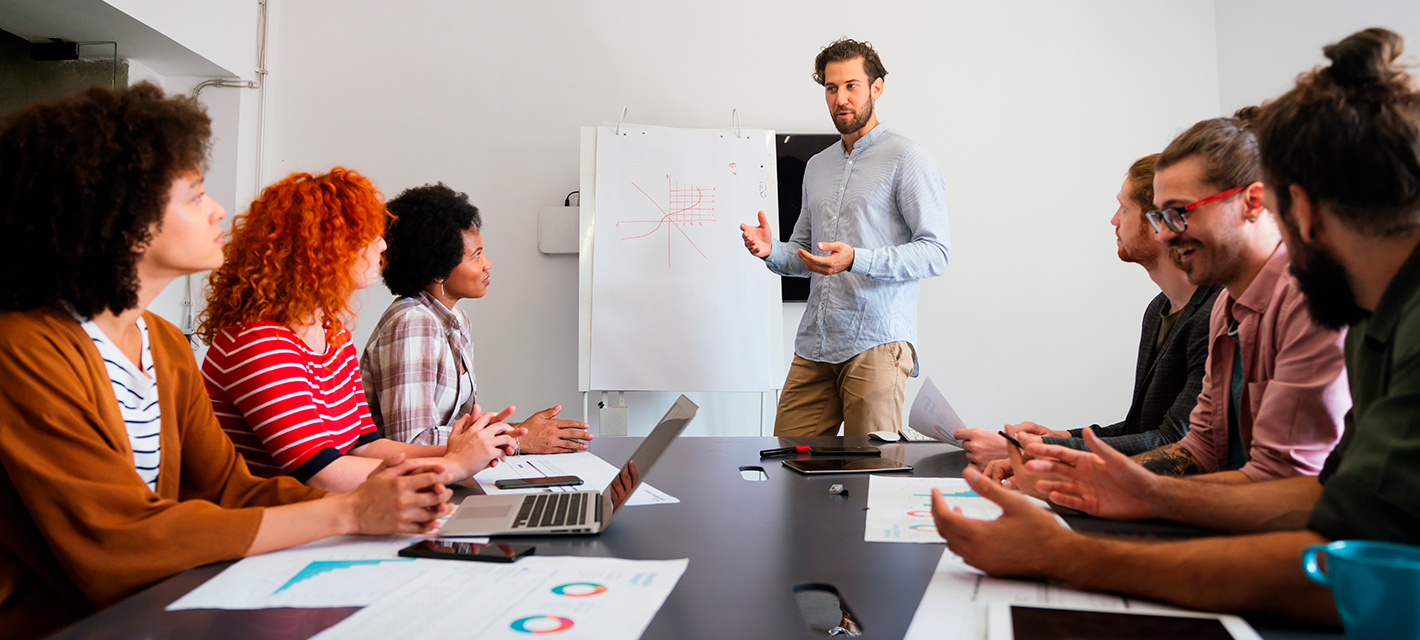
287,409
136,390
887,200
411,370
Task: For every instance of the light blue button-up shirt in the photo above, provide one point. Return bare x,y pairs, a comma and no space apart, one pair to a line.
887,200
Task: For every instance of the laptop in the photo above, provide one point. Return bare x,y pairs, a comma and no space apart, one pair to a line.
568,512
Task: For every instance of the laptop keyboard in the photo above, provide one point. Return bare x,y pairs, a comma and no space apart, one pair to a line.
552,510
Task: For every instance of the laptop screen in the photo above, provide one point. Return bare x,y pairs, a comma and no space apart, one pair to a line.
646,455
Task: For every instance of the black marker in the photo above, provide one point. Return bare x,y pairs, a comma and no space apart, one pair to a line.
784,451
1013,441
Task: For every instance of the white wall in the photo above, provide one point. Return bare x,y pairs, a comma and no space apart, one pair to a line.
1264,44
223,32
1034,110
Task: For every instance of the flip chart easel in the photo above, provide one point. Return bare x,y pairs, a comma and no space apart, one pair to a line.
669,300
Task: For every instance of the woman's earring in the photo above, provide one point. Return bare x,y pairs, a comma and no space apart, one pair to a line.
441,288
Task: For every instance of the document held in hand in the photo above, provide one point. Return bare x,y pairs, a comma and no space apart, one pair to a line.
932,415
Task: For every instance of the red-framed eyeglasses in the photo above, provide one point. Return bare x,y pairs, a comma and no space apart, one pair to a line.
1177,217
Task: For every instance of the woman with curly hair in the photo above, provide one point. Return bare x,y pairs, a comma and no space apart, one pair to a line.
281,370
115,472
418,365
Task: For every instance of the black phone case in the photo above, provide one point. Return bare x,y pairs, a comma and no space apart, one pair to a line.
414,552
578,483
869,452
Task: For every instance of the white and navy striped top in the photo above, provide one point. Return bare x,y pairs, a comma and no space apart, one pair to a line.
137,391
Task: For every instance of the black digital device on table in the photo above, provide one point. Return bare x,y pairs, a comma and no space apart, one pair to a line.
825,451
455,550
858,465
537,483
847,451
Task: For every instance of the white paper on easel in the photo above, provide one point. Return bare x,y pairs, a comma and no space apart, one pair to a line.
932,415
955,602
677,303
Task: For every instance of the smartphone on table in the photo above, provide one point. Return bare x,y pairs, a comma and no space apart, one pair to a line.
537,483
454,550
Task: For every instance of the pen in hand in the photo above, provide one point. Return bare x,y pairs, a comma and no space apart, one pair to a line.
1013,441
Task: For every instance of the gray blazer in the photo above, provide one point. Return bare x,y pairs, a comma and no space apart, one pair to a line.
1167,381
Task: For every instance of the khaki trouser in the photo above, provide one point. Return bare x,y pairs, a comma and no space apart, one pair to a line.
864,393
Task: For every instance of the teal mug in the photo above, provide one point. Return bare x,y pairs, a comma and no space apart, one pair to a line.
1376,586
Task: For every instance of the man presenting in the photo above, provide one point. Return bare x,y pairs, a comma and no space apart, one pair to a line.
873,223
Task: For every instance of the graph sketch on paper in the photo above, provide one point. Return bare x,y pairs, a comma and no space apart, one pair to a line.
676,302
687,207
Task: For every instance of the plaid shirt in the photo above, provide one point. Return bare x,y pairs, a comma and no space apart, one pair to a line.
411,370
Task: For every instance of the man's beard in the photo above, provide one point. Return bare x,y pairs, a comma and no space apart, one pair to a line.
1142,250
1330,298
856,123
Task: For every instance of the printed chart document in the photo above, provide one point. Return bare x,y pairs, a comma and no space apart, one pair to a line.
900,508
932,415
342,571
954,607
570,597
595,473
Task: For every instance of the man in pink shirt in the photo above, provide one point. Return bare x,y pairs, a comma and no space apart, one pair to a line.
1274,393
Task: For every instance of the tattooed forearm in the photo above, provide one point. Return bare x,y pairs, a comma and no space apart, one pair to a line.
1170,460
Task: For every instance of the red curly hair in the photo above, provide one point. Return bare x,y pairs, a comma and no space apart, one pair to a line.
293,253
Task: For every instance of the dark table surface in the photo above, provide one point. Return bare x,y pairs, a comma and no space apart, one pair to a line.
749,544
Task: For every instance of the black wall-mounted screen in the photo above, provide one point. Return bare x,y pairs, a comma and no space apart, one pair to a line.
793,153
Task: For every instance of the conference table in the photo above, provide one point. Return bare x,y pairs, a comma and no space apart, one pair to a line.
750,543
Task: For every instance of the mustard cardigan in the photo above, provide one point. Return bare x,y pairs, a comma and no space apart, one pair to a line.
79,530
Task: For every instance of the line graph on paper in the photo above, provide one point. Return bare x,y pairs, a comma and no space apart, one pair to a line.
686,206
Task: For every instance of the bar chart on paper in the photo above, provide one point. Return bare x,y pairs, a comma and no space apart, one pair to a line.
352,574
900,509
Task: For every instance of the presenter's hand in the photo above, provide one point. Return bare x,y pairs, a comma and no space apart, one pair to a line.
399,496
981,445
1025,541
839,258
1102,482
1038,430
759,240
479,440
547,434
